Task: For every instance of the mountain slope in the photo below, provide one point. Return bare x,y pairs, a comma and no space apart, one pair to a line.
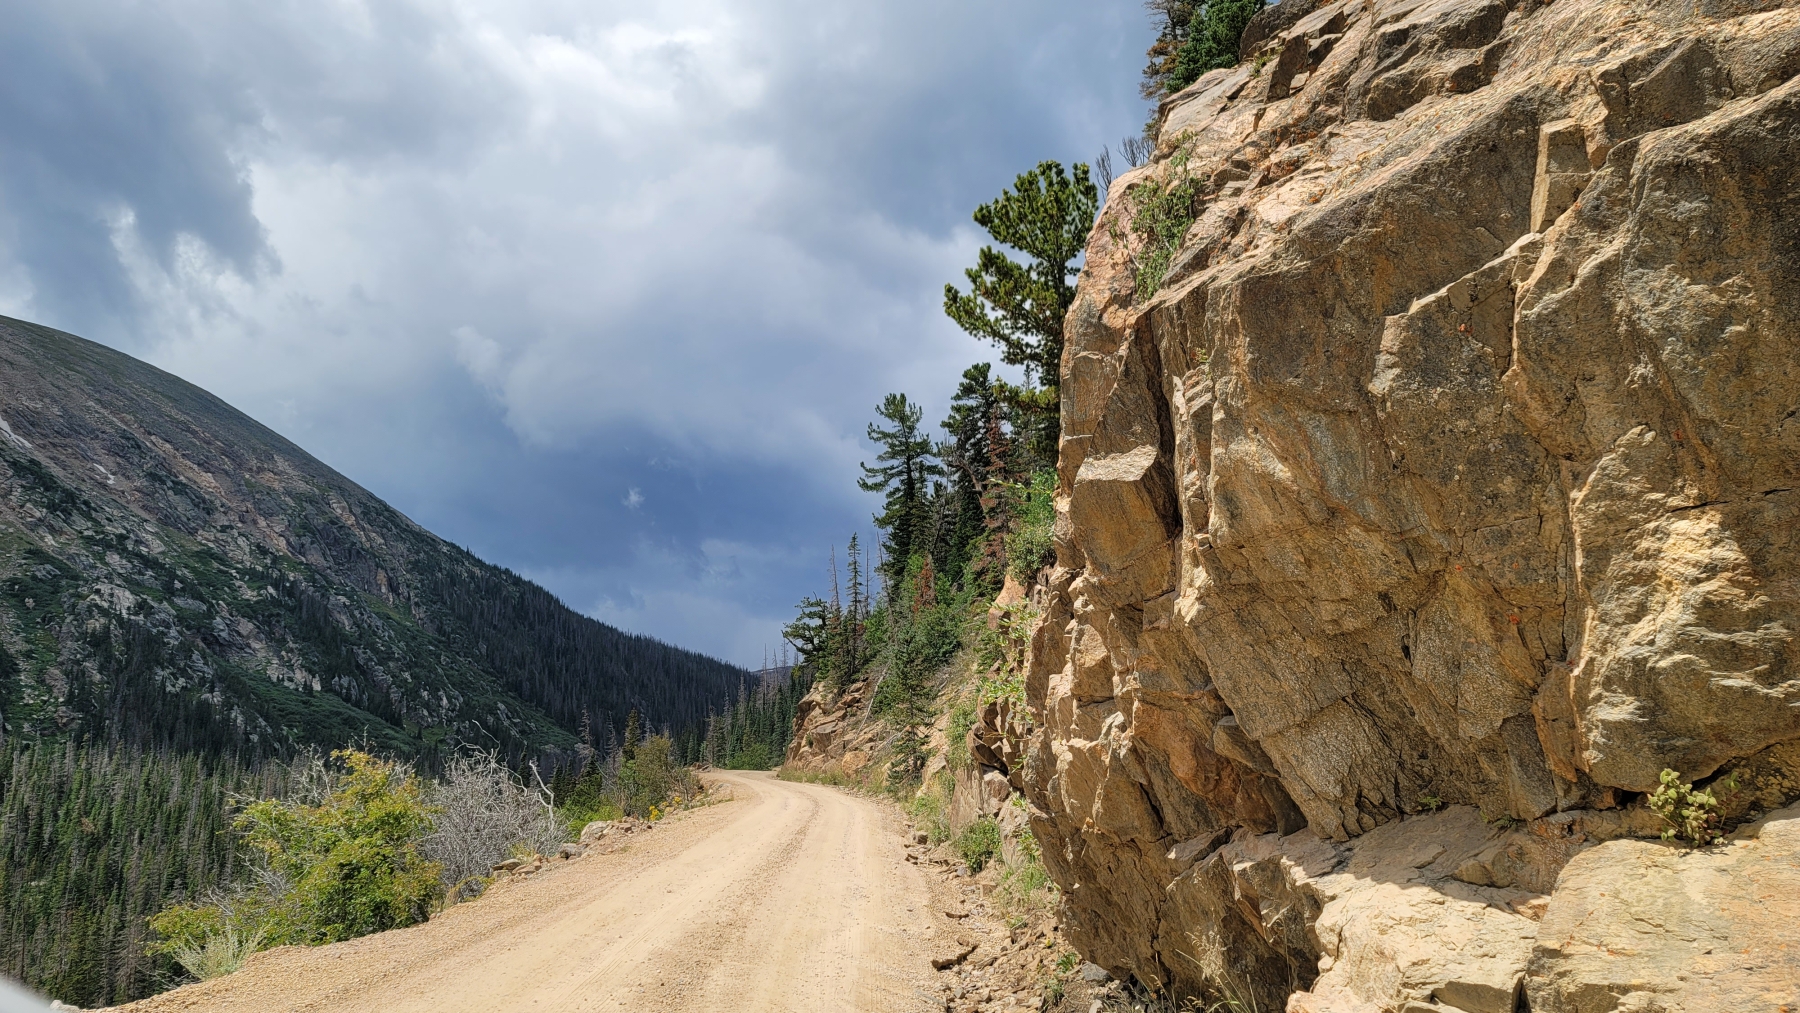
173,573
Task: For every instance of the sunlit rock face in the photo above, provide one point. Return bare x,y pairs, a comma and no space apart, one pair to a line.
1454,462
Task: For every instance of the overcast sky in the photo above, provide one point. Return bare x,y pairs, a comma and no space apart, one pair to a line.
604,291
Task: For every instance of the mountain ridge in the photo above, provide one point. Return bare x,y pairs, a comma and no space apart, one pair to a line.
174,573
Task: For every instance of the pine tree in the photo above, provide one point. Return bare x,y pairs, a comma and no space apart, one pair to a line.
835,621
562,783
810,632
980,457
634,734
858,609
1020,307
903,471
1193,37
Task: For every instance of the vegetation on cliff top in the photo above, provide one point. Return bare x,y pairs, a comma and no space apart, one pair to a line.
1193,37
1020,307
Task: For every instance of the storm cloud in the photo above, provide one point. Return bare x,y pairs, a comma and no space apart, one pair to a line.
604,291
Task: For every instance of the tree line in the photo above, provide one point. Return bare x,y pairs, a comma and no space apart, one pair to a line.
94,840
753,733
961,509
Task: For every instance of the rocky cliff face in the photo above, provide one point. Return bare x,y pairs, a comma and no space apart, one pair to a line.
1450,468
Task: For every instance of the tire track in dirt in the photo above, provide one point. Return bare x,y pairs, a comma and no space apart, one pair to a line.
790,898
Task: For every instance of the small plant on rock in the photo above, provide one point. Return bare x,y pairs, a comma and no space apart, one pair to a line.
1162,211
1691,815
1430,803
978,843
1161,220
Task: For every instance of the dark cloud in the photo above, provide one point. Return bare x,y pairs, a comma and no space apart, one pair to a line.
604,291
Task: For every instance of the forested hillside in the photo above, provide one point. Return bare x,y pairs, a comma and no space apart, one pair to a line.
753,733
184,596
93,841
173,574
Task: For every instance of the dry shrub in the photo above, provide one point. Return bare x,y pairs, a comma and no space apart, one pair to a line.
485,811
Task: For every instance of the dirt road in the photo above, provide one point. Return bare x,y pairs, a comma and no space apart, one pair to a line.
791,897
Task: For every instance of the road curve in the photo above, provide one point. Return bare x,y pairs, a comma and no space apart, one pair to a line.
791,897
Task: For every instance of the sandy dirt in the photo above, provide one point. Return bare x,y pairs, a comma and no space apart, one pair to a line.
790,897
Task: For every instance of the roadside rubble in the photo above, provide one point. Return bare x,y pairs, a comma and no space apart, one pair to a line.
599,837
996,958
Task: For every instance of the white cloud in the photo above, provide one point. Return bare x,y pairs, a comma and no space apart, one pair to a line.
432,238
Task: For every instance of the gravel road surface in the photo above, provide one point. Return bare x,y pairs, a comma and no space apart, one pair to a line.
790,897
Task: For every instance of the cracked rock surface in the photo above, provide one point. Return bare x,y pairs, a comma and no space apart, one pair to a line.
1439,491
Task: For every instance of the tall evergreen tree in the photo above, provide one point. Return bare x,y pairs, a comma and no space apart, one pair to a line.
858,607
903,472
978,456
1020,306
634,734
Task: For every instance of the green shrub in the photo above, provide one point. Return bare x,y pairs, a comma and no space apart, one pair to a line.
352,862
1025,887
205,942
1030,546
587,801
956,735
930,808
1214,33
1691,815
978,843
220,954
651,780
337,864
908,751
1162,214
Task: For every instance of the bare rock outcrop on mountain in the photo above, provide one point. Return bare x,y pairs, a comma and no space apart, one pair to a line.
1447,465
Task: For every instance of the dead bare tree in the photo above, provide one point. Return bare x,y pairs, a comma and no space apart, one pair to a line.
484,812
1137,150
